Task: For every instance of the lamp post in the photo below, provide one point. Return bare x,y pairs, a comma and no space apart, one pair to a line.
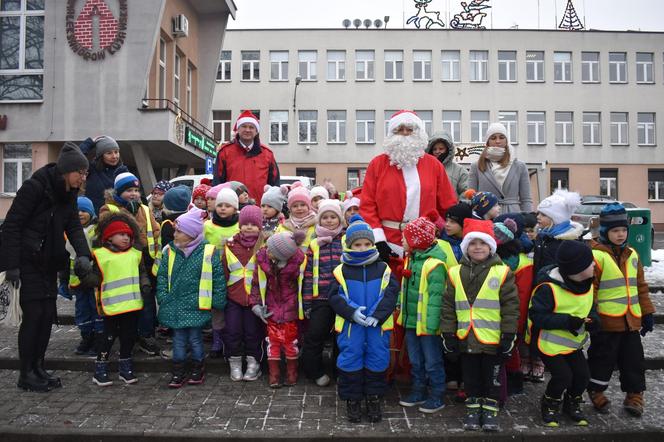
298,79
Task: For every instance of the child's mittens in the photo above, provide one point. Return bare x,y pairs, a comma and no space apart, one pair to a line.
450,347
574,324
360,318
507,344
647,324
371,321
261,312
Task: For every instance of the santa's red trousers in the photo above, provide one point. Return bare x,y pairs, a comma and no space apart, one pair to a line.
399,368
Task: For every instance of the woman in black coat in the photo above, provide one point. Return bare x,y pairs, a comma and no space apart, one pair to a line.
103,169
32,251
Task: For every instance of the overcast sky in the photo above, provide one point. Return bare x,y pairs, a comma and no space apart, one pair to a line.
645,15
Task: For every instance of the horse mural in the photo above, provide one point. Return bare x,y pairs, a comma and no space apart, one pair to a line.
424,17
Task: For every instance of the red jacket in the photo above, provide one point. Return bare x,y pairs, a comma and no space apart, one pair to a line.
254,169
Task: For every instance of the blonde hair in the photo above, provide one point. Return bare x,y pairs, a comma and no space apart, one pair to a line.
481,162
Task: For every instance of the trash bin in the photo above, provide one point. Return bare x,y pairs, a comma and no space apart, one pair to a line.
640,233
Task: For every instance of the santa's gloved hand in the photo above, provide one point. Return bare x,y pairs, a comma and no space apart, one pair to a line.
384,251
360,318
371,321
647,324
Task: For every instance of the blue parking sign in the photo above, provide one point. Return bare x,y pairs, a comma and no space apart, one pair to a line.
209,165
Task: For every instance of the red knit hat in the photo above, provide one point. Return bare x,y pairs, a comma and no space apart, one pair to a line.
420,233
478,229
200,191
247,117
116,227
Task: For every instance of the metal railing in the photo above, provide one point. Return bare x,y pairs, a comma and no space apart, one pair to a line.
162,104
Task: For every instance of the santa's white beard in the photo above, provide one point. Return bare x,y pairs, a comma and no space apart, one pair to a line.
405,150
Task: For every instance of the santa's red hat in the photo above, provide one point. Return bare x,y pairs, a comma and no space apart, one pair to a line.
247,117
478,229
407,118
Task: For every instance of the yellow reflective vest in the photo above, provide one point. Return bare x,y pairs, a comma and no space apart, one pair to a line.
309,235
119,291
218,235
157,259
237,272
152,246
450,259
74,282
423,295
205,285
618,290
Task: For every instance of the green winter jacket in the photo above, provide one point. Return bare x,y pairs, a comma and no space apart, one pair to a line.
410,290
178,307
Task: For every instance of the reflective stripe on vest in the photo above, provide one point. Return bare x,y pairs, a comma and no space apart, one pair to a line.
73,279
300,282
524,262
160,250
205,284
618,290
315,266
237,272
450,259
423,295
217,235
484,315
385,281
119,291
152,251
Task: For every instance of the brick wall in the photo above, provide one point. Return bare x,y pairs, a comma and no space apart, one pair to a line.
108,25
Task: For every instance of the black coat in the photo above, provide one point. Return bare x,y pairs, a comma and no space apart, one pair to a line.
33,234
101,176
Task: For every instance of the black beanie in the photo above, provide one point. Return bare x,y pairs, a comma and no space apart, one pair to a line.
573,257
529,219
71,159
459,212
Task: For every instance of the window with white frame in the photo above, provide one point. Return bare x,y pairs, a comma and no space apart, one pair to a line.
307,65
617,67
559,179
645,127
251,65
279,65
564,128
307,126
365,124
189,87
176,78
590,67
355,177
364,65
562,67
656,184
388,114
479,123
336,65
393,65
224,69
422,65
619,128
221,125
479,65
608,183
644,67
592,128
452,124
451,61
536,127
510,121
21,50
506,65
278,127
16,166
162,69
336,126
535,66
427,118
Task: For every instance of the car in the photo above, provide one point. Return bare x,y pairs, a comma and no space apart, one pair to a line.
192,181
587,214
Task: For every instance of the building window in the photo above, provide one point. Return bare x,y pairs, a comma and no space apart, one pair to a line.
559,179
536,127
608,182
427,118
655,184
617,67
510,121
221,124
365,126
564,128
645,126
336,126
535,66
224,69
307,65
336,65
22,50
619,128
590,67
562,67
16,166
506,65
279,65
592,128
388,114
393,65
162,69
176,78
479,123
452,124
279,127
190,85
308,127
251,65
479,64
422,65
644,67
364,65
451,64
355,177
309,172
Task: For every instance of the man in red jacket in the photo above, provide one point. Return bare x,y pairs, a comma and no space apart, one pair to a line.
246,160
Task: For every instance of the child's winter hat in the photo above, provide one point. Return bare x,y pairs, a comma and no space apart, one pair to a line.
482,202
238,187
71,159
274,197
299,193
228,196
529,219
560,206
328,205
421,232
351,201
251,214
85,205
124,181
518,222
191,223
285,244
214,190
116,227
504,231
358,229
612,215
573,257
495,128
163,186
478,229
459,212
177,199
320,191
200,191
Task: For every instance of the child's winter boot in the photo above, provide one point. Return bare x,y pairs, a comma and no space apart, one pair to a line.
236,367
197,373
101,374
473,419
87,345
374,412
572,408
550,409
291,372
215,350
354,411
490,415
253,369
274,370
127,371
600,402
634,403
179,376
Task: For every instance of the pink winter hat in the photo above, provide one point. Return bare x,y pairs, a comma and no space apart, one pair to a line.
333,206
191,223
285,244
251,215
299,194
214,191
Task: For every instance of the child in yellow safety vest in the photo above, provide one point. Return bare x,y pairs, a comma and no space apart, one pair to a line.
625,308
302,216
560,317
479,321
121,279
190,282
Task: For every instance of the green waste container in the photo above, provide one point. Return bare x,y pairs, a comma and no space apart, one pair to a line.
640,233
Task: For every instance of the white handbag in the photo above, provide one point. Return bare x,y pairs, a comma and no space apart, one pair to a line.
10,309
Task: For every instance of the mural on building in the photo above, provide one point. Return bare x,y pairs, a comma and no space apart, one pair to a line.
570,21
424,17
463,152
95,31
472,15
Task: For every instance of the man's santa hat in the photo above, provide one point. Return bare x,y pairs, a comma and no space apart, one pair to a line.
406,118
247,117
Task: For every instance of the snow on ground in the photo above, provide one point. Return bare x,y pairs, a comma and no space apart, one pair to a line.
655,273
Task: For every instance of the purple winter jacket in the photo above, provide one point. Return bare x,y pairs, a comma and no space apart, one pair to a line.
281,296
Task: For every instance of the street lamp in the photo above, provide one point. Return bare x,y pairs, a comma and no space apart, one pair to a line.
298,79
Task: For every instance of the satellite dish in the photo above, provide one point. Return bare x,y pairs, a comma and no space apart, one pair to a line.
357,22
367,23
378,23
346,23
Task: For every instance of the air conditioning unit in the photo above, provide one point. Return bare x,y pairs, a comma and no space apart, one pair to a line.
180,26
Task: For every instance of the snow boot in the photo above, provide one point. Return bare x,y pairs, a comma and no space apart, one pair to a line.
197,373
179,376
634,403
87,344
274,371
490,422
101,374
127,371
354,411
572,408
600,402
550,409
235,363
473,419
253,369
374,412
291,372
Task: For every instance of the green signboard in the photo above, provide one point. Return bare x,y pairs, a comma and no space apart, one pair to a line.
200,141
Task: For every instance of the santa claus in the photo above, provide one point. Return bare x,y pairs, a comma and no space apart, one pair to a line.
403,183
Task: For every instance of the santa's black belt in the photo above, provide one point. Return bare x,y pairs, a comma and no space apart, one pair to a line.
394,224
